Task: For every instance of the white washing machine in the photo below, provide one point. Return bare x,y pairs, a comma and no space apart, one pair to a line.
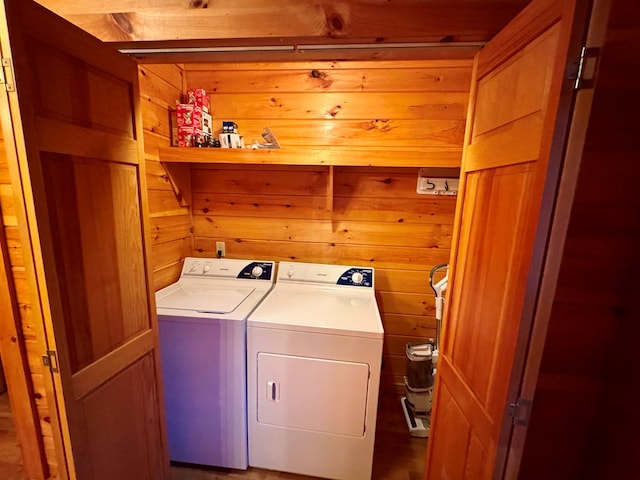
202,321
314,351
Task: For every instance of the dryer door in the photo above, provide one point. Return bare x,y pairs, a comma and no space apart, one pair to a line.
312,394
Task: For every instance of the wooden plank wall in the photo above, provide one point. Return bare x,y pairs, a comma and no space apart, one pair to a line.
368,216
160,89
584,422
34,347
407,108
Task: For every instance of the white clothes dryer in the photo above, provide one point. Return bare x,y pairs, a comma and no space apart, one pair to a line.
202,323
314,350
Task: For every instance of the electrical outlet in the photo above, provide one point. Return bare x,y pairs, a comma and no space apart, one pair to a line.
220,250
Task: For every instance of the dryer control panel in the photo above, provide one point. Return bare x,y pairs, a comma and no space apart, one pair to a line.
319,273
356,276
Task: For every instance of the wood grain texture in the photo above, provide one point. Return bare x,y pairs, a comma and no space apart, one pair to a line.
341,106
389,113
90,109
339,254
379,132
213,68
320,22
331,77
525,27
14,364
21,339
338,113
445,157
11,467
160,89
279,213
107,438
493,260
396,456
361,233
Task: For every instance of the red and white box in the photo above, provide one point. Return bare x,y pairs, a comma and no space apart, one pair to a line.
189,115
187,136
199,97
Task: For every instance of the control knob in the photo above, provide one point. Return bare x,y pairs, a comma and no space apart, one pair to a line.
257,271
357,278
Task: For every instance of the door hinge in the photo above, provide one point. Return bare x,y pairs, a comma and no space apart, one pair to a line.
520,411
50,359
6,75
588,68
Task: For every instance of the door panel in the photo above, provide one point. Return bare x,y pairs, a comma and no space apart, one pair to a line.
497,249
130,415
517,88
290,387
95,99
77,127
515,91
510,129
96,215
459,436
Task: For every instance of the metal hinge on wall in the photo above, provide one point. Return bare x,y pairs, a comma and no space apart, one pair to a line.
520,411
50,359
588,68
6,75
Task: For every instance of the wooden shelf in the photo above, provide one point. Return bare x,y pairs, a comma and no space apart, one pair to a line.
329,156
175,159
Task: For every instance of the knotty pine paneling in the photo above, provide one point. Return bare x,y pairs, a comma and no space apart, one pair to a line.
259,22
394,108
288,220
34,347
389,257
382,76
375,216
160,89
341,105
30,332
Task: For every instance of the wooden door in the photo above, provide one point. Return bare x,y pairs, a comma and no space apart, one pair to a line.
512,148
77,141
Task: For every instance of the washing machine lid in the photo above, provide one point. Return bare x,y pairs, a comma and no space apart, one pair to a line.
203,297
212,289
319,309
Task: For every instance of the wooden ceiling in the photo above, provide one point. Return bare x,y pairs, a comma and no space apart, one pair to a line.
213,23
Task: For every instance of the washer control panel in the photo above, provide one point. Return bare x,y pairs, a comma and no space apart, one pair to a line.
257,271
228,268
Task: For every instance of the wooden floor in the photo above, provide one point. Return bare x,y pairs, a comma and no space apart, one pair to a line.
397,455
10,459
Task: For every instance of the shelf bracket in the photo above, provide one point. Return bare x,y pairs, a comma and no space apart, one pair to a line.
329,195
179,176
